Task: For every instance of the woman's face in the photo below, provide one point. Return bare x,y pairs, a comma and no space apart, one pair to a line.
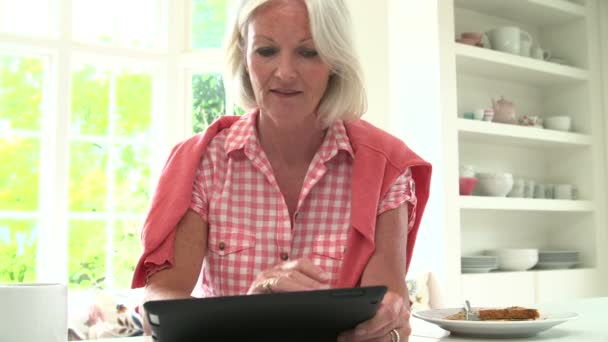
287,74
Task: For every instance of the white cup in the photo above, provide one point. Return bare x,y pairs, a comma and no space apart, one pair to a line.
33,312
539,53
563,191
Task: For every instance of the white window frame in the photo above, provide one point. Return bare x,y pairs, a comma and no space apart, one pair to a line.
175,61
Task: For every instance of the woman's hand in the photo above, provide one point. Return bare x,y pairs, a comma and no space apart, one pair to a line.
392,314
289,276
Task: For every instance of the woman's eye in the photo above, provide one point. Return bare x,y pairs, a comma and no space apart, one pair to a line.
309,53
266,51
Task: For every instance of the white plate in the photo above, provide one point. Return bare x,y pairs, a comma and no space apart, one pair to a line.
553,265
478,269
501,329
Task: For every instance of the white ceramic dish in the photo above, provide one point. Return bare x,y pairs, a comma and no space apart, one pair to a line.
493,329
478,269
515,259
555,265
559,123
498,185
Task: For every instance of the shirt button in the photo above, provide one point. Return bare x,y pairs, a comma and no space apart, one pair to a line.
284,256
222,246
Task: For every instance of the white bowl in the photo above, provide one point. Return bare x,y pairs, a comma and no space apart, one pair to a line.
559,123
493,184
515,259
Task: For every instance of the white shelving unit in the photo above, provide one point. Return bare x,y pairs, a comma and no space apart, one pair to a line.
524,204
488,63
503,134
471,77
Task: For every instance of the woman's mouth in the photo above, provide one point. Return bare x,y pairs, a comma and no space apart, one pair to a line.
285,92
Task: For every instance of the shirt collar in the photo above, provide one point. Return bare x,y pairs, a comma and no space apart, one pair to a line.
242,134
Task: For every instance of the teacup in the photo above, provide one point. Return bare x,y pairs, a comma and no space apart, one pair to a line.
539,53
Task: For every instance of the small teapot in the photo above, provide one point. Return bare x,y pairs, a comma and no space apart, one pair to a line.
504,111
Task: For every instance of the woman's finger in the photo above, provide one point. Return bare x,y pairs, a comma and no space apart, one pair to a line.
295,281
308,268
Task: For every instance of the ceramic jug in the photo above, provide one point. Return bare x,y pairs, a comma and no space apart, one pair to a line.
504,111
505,39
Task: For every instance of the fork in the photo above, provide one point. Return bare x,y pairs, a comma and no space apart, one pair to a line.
468,313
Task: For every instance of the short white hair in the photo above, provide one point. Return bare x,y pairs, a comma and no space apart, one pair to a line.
330,25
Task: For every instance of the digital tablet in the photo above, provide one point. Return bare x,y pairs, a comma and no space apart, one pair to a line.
318,315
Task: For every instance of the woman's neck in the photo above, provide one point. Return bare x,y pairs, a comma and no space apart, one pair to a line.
290,143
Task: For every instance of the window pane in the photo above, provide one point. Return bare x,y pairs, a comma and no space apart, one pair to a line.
28,17
18,243
88,178
19,173
87,253
208,23
127,249
21,81
110,170
132,182
208,100
129,23
90,101
133,103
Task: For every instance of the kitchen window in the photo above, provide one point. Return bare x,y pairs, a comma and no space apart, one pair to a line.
93,94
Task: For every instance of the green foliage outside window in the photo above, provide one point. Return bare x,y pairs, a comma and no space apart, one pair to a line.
87,253
126,244
18,243
208,22
21,82
108,177
209,100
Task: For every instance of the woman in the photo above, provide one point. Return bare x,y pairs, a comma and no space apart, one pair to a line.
298,194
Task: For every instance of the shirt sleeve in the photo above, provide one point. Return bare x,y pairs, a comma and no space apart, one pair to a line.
201,186
401,191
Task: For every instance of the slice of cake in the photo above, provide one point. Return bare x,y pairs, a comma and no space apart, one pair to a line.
511,313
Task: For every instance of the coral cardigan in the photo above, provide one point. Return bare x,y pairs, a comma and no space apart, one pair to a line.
379,158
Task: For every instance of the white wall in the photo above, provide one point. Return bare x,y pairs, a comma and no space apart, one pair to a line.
398,44
371,40
415,113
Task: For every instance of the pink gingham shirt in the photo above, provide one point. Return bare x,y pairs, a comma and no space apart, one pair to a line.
249,225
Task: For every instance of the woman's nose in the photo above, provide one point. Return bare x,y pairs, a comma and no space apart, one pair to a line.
286,68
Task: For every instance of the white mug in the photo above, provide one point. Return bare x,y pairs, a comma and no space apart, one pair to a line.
33,312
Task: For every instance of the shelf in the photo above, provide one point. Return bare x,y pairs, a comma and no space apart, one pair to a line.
504,134
533,12
523,204
501,65
529,272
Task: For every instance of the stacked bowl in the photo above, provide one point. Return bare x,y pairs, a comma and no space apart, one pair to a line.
512,259
494,184
478,263
557,259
